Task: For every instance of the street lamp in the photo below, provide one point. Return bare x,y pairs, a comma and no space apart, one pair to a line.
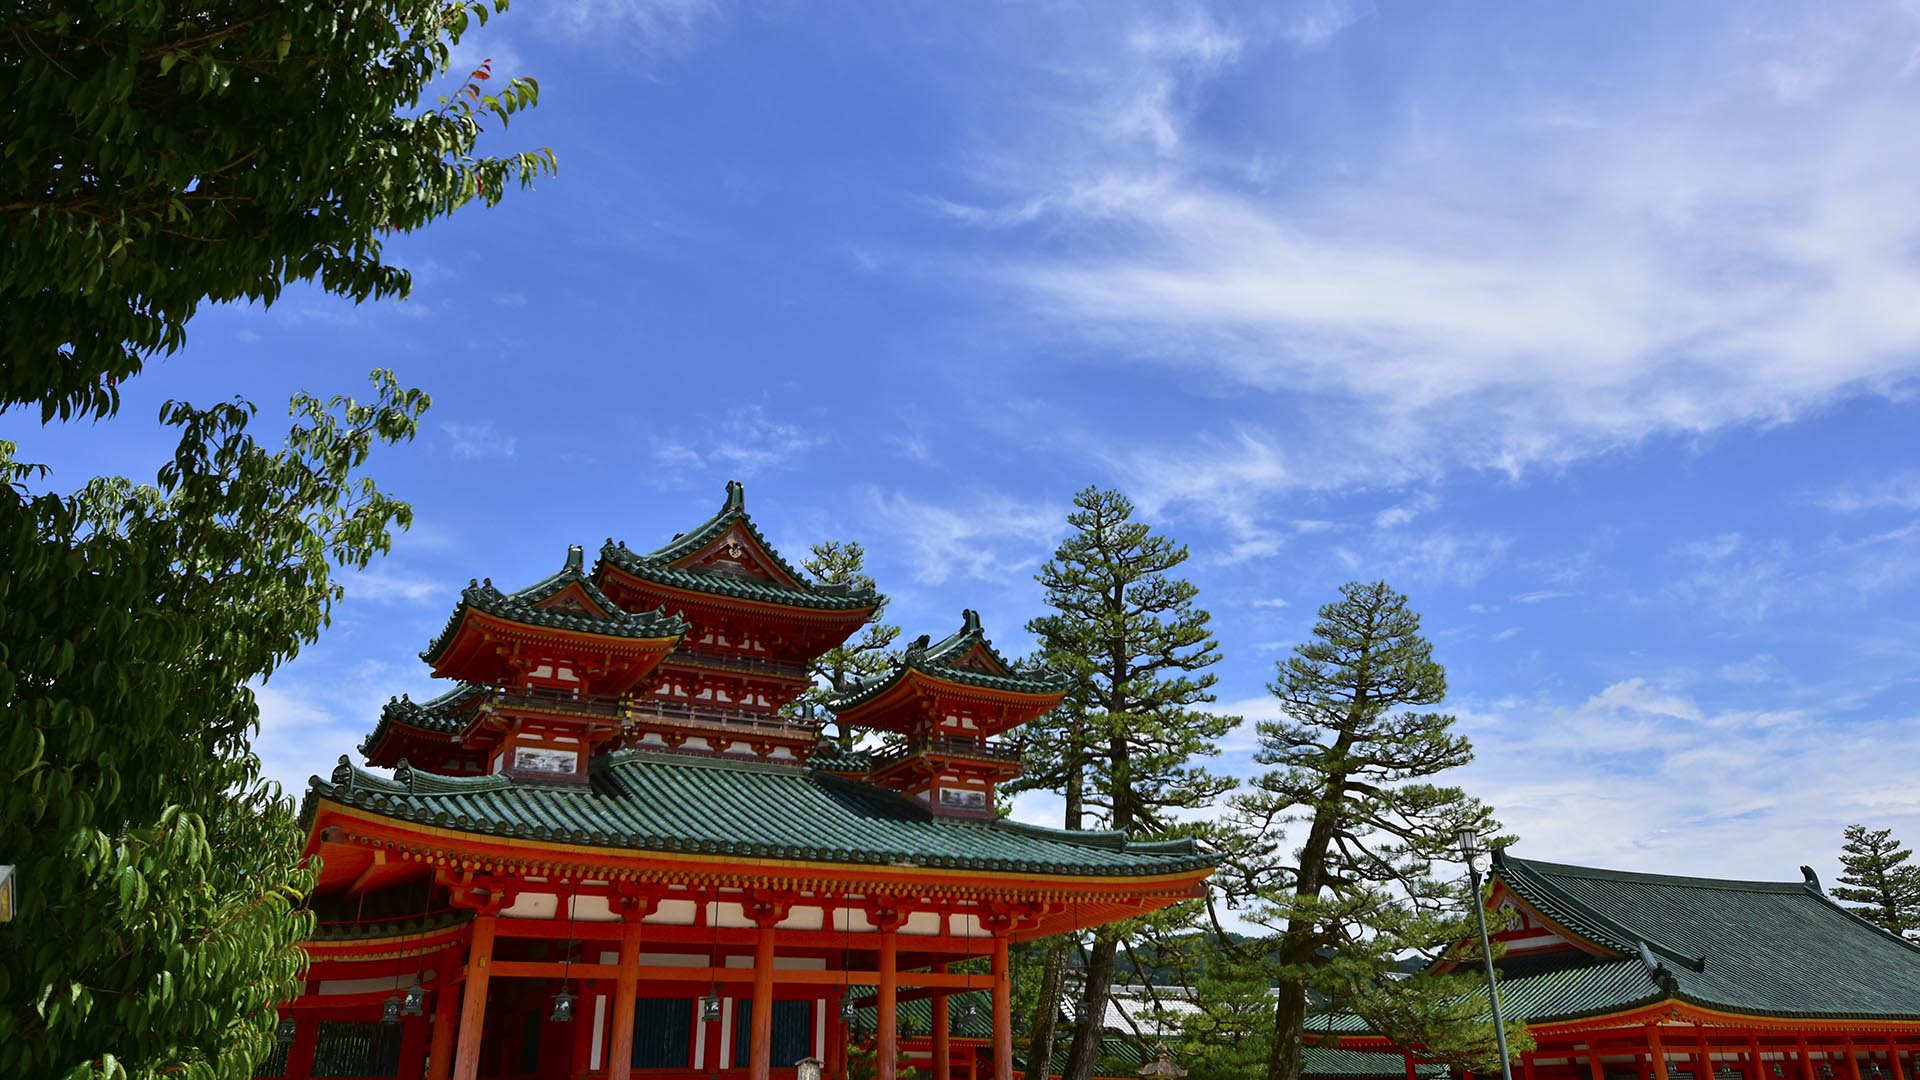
1478,861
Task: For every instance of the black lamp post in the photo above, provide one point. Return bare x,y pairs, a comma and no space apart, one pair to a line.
1478,861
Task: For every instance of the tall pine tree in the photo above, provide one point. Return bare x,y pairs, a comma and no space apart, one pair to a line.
866,654
1350,760
1121,747
1875,874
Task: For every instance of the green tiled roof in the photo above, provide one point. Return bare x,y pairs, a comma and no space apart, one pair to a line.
520,607
1760,948
1756,947
832,758
647,801
656,566
443,715
1333,1061
916,1014
938,660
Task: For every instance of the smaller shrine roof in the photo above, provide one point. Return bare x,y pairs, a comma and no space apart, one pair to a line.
1755,947
443,715
941,660
524,607
646,801
657,566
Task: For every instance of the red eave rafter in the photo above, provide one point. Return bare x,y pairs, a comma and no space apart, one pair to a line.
476,635
916,684
450,851
691,602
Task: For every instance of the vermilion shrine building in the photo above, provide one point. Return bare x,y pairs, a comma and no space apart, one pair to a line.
607,851
1624,976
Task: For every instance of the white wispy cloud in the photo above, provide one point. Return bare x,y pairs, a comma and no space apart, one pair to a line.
1687,788
746,442
480,441
988,537
1900,491
1539,596
1316,23
1514,284
386,585
650,28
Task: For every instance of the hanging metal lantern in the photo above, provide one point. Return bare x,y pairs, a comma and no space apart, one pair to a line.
563,1006
288,1031
847,1011
390,1009
710,1009
412,1001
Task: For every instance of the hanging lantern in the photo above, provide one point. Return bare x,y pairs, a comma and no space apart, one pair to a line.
288,1030
563,1006
412,1001
710,1009
390,1009
847,1011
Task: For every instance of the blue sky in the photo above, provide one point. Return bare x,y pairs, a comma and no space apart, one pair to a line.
1596,331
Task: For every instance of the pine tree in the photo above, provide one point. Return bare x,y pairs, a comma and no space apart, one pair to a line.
1350,760
869,653
1875,874
1122,745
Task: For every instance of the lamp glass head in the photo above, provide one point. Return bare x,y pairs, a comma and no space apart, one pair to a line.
1468,841
563,1006
288,1030
390,1010
411,1001
710,1009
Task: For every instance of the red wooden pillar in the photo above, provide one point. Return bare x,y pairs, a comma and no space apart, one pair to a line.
760,1038
834,1054
1003,1013
300,1055
887,1029
473,1003
1526,1066
1408,1058
626,983
1853,1060
1756,1063
942,1051
1594,1067
413,1047
1659,1052
1705,1072
1806,1058
446,1013
1893,1055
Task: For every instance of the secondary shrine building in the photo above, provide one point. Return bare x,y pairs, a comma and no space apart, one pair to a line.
1624,976
610,850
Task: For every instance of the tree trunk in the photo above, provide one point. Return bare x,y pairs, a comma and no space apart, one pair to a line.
1090,1029
1290,1011
1046,1011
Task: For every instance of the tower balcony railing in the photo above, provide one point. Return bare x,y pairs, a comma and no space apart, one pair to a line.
731,661
719,717
977,749
541,699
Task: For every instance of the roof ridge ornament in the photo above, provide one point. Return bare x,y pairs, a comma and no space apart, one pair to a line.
1813,880
736,498
576,558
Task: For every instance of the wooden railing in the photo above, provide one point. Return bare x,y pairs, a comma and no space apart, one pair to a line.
731,661
978,749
